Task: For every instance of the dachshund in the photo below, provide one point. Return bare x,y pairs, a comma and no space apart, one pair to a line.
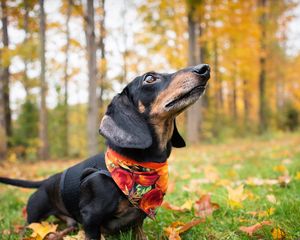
116,190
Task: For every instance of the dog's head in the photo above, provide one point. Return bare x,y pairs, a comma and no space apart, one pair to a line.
147,107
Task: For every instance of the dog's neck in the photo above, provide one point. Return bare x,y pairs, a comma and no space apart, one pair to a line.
161,147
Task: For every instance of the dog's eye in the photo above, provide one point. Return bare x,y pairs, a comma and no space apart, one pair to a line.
149,79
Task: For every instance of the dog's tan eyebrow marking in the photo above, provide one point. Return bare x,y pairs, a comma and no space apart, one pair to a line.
141,107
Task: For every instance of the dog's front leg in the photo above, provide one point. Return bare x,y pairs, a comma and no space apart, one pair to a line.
139,233
91,224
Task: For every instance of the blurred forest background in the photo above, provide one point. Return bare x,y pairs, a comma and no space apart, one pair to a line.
61,62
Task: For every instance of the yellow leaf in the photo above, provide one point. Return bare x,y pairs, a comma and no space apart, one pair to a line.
211,173
297,177
278,234
236,196
188,204
41,230
280,168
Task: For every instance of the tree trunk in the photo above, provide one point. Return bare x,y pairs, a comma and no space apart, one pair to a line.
263,105
43,116
218,82
26,29
246,100
5,72
234,100
203,52
124,38
66,82
103,64
193,112
92,118
3,136
234,93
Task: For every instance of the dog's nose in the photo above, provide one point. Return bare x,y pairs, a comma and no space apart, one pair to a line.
203,70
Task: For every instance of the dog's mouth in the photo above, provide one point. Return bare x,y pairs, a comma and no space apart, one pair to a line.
192,94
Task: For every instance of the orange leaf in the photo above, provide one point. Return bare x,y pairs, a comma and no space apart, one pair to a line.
173,232
170,206
204,207
189,225
278,234
252,229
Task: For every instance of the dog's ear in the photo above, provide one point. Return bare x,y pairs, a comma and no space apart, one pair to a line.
176,140
123,125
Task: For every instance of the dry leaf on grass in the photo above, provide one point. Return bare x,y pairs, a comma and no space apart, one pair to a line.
278,234
173,232
211,173
79,236
262,214
297,177
187,206
284,180
236,196
204,207
41,230
252,229
281,169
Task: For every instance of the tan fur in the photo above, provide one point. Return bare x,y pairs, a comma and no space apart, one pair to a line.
161,120
141,107
177,86
164,130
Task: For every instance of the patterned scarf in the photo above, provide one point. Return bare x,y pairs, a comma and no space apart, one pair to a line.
144,184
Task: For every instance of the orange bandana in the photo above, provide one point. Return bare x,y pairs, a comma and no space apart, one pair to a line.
145,184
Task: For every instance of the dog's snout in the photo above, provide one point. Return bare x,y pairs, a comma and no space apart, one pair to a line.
203,70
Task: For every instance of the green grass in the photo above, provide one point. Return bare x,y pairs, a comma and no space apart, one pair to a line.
233,162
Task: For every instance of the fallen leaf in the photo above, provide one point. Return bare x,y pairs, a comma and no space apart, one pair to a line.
262,214
297,177
252,229
41,230
231,173
223,182
284,180
79,236
211,173
173,232
271,198
170,206
6,232
191,224
280,168
188,204
204,207
18,228
236,196
286,161
259,181
278,234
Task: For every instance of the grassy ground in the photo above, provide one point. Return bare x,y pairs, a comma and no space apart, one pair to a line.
199,170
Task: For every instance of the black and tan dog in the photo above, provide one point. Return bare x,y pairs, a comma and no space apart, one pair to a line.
139,125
